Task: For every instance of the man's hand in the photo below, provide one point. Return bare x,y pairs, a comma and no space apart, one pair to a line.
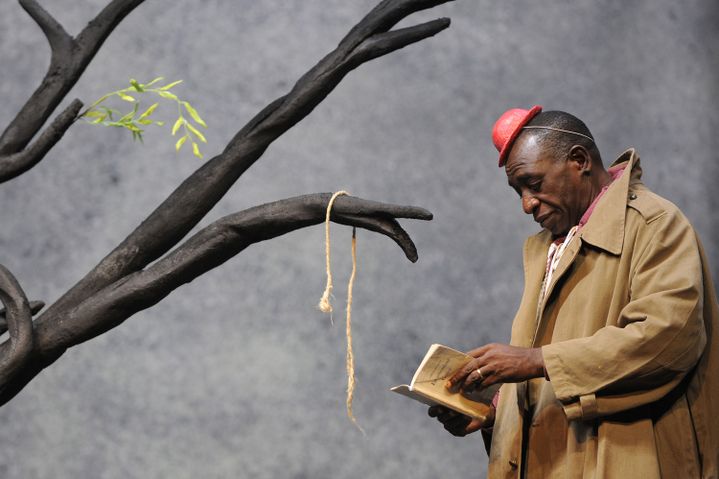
498,363
458,424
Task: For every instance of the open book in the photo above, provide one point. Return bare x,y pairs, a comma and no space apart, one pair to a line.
428,384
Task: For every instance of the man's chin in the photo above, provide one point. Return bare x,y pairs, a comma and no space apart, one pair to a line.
557,232
549,223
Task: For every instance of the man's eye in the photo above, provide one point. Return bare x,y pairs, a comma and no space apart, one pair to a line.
535,186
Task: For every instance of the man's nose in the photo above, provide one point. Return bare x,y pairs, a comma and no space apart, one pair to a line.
529,204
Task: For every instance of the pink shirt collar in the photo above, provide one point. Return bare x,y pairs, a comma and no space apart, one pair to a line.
615,172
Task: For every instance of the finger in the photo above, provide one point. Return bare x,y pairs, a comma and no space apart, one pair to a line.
436,410
456,380
447,415
490,379
474,426
473,380
458,425
475,353
386,226
489,420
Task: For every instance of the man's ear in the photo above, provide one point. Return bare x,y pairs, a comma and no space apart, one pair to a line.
581,159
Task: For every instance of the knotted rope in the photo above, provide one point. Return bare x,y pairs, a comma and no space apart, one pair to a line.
326,307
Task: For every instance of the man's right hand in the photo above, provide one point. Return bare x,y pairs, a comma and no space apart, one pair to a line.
458,424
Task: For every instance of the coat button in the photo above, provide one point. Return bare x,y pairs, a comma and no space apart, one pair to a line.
632,196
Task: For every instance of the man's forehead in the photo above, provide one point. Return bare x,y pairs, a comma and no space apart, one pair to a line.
525,153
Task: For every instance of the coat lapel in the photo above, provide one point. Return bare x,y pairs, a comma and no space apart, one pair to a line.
604,230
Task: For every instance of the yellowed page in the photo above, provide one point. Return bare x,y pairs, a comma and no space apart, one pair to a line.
428,383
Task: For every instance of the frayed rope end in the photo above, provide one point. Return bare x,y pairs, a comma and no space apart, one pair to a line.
324,304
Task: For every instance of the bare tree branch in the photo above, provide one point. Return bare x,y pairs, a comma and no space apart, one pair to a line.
35,307
191,201
123,283
18,163
19,321
207,249
68,61
60,42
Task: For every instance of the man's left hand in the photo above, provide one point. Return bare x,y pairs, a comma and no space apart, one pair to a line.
498,363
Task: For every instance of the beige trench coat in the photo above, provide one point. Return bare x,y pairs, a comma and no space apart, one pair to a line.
630,337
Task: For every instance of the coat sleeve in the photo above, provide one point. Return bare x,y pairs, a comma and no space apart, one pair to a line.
656,341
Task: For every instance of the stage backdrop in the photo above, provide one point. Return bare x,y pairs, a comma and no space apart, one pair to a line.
238,374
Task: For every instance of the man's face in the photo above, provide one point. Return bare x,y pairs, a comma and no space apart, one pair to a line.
551,189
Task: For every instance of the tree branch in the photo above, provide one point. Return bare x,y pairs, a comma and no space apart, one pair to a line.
68,61
60,42
35,307
19,321
16,164
207,249
191,201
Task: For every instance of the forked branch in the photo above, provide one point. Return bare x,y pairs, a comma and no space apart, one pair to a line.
69,58
123,283
191,201
17,348
207,249
35,307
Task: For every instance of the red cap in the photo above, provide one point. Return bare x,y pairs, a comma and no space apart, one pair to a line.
507,128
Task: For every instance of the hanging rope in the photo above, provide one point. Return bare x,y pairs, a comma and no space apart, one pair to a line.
326,307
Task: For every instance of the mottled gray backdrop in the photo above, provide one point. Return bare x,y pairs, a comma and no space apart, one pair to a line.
237,374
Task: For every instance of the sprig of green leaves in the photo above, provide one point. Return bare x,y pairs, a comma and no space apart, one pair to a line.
98,114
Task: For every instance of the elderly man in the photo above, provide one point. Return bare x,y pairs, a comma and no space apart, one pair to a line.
613,367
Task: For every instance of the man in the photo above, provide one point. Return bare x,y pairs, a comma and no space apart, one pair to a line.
613,367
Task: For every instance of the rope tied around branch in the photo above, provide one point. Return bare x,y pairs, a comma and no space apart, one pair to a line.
326,307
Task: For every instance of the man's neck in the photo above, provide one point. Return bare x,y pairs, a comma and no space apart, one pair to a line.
601,181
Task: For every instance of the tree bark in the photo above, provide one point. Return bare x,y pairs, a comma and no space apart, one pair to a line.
123,283
69,58
19,322
191,201
207,249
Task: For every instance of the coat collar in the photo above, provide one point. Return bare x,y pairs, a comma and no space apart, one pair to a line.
605,228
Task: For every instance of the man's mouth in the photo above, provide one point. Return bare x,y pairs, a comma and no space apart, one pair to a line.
542,219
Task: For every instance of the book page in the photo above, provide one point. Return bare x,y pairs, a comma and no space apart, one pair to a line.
404,390
428,383
438,365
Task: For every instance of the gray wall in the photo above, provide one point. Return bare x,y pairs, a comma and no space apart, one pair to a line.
237,374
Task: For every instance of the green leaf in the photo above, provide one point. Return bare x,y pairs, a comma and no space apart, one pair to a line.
180,142
196,132
130,115
167,94
136,85
167,87
154,81
180,121
193,113
149,111
103,115
196,150
95,114
137,135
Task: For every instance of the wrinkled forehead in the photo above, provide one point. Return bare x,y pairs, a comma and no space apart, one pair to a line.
526,154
